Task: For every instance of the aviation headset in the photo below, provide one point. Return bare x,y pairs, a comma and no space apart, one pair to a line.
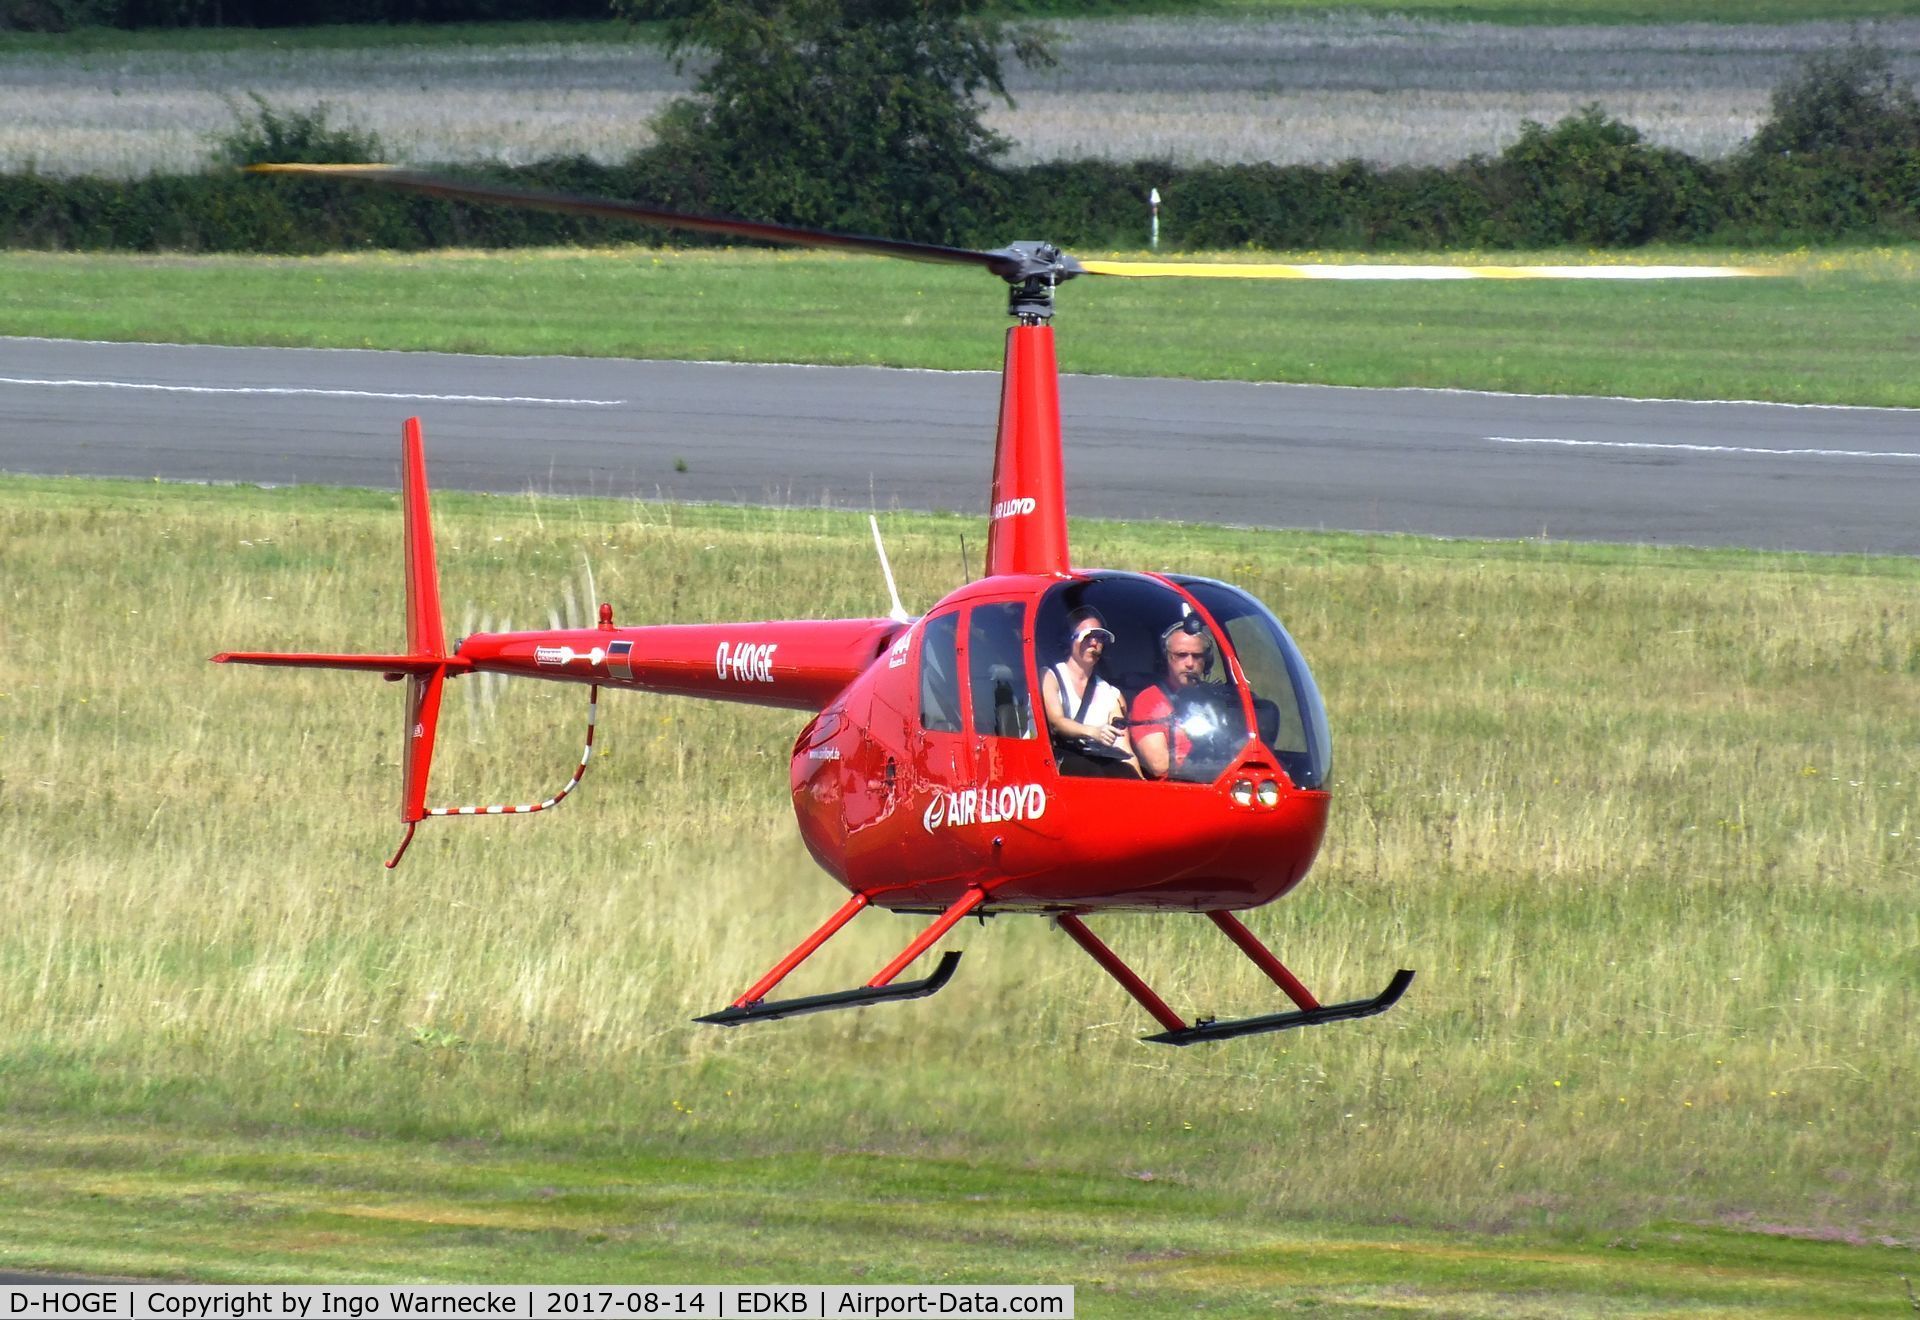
1192,626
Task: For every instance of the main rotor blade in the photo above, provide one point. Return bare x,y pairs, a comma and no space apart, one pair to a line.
1254,271
461,190
1018,262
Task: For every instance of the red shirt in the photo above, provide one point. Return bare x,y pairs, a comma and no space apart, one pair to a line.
1152,712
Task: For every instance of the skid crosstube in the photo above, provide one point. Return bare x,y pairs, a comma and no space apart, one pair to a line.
1307,1017
753,1006
1308,1011
734,1015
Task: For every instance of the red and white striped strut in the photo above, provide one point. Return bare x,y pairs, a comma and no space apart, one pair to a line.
593,715
525,809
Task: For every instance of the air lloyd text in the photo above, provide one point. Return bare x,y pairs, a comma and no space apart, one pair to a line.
985,806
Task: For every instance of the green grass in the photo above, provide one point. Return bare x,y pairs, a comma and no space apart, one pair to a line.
1841,329
301,1207
1643,820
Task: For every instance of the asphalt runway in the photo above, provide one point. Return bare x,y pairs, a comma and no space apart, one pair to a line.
1446,463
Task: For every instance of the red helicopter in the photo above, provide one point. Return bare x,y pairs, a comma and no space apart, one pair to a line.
1047,739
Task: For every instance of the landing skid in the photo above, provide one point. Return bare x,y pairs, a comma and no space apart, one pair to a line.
1313,1017
761,1011
754,1006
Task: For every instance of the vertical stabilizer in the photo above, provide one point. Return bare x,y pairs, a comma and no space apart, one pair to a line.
425,632
426,664
1027,525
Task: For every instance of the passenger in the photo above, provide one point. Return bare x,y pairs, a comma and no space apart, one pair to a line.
1161,744
1086,714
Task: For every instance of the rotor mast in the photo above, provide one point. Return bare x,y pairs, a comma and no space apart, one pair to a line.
1027,510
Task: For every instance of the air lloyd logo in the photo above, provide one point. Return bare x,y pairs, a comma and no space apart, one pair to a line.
1012,508
985,806
745,662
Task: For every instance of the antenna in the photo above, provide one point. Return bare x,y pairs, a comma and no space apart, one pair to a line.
899,612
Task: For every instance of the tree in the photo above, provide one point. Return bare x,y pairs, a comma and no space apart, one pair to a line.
1845,102
857,115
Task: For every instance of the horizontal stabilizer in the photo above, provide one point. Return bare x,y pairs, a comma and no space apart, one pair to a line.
381,664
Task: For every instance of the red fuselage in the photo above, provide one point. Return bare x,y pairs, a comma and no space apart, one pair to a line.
910,810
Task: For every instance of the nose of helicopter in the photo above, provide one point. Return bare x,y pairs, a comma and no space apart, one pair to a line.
1252,842
1276,850
1133,846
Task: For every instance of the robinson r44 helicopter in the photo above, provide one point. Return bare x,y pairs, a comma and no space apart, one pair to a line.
949,768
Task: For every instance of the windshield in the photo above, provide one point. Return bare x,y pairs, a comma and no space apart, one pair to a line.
1291,717
1134,684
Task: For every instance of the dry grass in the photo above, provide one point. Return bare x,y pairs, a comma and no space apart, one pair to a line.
1644,823
1391,90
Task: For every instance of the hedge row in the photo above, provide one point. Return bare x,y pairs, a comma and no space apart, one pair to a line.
66,15
1587,181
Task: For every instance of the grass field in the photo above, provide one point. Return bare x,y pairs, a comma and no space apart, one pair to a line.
1644,821
1838,329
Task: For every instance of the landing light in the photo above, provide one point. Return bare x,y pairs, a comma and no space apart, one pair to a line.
1269,793
1242,792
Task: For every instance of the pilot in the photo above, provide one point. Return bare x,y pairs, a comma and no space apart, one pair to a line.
1086,714
1159,739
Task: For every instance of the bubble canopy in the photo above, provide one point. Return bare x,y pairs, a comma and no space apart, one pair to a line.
1254,681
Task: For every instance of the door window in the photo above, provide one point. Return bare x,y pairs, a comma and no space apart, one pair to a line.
997,670
940,674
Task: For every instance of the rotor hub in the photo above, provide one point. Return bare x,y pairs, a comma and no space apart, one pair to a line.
1031,270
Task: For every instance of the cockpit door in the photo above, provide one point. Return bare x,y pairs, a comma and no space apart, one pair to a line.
940,730
1011,771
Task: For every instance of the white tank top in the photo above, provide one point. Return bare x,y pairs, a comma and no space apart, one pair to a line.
1101,710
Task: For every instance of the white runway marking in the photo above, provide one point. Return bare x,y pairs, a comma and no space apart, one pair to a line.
330,394
1705,449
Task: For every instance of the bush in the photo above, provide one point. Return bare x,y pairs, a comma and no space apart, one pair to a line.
266,135
65,15
1844,103
1591,179
1587,180
1100,203
1839,154
55,15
